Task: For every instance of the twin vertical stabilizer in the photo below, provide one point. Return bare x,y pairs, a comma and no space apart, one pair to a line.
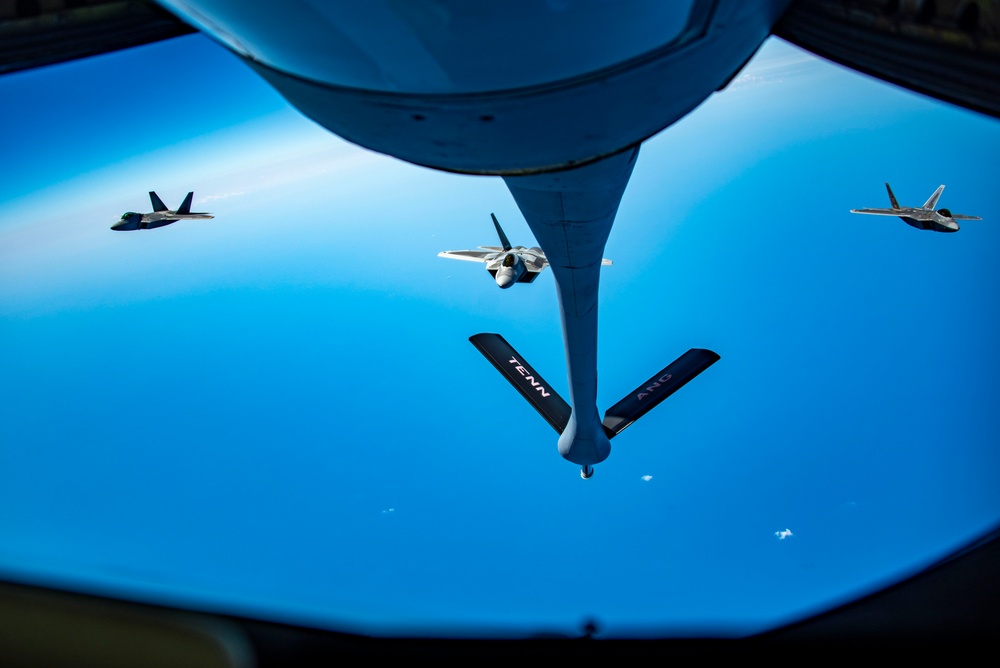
892,198
157,203
185,206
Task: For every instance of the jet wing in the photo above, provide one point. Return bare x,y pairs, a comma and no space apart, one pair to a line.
881,212
534,259
958,216
469,255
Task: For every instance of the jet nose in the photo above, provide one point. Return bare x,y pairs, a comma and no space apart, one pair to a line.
504,280
128,221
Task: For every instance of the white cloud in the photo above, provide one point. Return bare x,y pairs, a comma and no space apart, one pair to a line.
235,193
388,511
746,80
647,478
782,535
775,63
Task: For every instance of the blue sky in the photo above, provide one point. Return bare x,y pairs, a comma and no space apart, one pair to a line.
276,412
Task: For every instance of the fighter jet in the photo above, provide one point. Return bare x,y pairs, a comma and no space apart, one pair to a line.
924,218
161,215
507,264
561,120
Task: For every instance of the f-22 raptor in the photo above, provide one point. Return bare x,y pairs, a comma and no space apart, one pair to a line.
924,218
160,216
507,264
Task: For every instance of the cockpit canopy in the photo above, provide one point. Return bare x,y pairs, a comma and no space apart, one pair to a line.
509,260
944,212
129,214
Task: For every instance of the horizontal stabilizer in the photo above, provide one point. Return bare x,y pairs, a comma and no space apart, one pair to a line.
524,379
648,395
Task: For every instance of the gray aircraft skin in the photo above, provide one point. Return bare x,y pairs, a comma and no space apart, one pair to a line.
160,216
922,218
560,120
571,219
317,56
507,264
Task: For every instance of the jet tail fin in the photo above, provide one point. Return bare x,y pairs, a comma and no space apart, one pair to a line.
648,395
157,203
525,379
933,199
185,206
503,237
892,198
